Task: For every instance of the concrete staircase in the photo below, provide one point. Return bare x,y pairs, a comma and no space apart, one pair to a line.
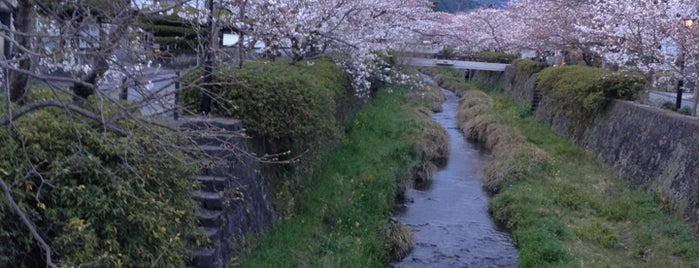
536,99
217,140
232,199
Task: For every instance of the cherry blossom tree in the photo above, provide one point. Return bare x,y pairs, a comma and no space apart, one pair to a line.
547,25
485,29
648,36
355,31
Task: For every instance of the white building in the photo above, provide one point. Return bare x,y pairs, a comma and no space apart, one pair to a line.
6,21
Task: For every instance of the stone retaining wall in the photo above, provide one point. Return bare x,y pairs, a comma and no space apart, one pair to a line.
649,146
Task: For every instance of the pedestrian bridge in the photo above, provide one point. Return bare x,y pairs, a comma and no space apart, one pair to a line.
456,64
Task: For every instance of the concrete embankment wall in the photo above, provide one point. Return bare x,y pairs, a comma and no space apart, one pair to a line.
651,147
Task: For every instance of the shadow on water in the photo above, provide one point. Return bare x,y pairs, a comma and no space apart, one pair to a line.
450,217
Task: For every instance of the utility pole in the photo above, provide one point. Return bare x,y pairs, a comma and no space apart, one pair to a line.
208,64
680,84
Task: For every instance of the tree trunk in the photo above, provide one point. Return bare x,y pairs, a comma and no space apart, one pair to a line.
696,98
241,35
24,24
644,94
100,65
88,83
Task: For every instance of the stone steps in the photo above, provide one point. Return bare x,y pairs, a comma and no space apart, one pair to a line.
212,124
209,200
217,141
207,257
209,218
536,99
214,167
211,183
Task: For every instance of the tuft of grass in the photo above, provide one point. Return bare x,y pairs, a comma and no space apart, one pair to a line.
397,239
597,231
429,96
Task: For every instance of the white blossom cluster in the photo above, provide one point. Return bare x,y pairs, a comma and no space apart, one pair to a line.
654,37
355,31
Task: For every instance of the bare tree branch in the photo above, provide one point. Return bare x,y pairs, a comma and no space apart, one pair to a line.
7,120
28,223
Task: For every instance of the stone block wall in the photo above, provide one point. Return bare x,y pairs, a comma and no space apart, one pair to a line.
652,147
517,86
647,145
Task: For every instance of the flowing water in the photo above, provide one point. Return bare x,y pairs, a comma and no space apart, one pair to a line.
450,218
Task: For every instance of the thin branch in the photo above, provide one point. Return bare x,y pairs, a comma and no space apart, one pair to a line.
338,40
13,205
5,121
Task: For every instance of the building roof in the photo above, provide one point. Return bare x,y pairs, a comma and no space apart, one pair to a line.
5,8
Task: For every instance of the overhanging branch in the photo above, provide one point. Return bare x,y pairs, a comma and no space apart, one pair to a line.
7,120
28,223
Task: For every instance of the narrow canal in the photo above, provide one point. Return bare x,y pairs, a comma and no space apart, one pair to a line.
450,218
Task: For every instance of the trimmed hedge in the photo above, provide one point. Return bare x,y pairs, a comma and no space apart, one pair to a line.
483,56
498,57
584,91
288,107
528,67
96,197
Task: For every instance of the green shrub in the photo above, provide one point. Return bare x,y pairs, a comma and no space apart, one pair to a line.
95,196
287,107
685,110
584,91
622,85
490,56
668,105
447,52
528,67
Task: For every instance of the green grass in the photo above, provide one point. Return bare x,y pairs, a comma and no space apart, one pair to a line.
611,222
579,214
347,203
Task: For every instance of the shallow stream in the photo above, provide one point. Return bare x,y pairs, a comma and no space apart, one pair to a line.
450,218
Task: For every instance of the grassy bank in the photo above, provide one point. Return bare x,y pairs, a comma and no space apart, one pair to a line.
564,209
343,215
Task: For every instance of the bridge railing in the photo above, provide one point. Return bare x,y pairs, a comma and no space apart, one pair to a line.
505,60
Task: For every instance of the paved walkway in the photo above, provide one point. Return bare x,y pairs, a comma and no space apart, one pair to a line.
659,97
